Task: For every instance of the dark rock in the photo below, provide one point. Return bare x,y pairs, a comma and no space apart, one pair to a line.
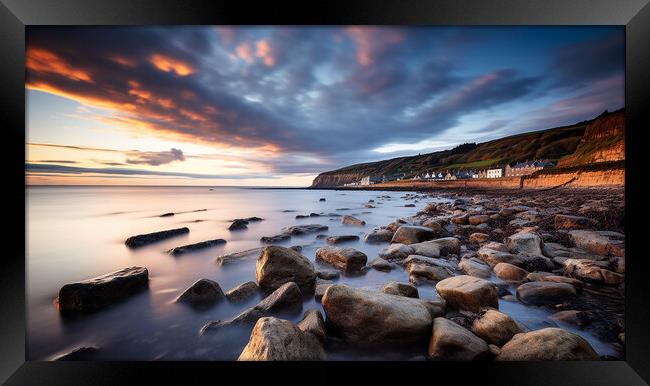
563,221
167,214
545,293
400,289
278,265
313,322
450,341
275,239
328,274
340,239
346,259
297,230
202,293
149,238
380,264
243,292
79,354
195,247
99,292
286,297
407,234
322,199
379,236
409,206
238,224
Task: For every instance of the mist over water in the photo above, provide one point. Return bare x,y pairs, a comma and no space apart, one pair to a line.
77,233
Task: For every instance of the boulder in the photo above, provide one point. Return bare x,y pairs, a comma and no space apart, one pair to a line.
426,248
238,224
286,298
396,252
411,234
243,292
478,219
460,219
319,292
447,245
195,247
375,318
328,274
278,265
379,236
563,279
585,269
450,341
349,220
478,238
468,293
341,239
346,259
524,242
202,293
540,293
564,221
149,238
603,243
495,327
434,225
313,322
401,289
493,257
506,212
547,344
102,291
275,339
380,264
509,272
475,267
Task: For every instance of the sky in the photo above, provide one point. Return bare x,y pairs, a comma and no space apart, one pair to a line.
275,106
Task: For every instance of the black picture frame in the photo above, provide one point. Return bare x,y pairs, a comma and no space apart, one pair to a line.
16,14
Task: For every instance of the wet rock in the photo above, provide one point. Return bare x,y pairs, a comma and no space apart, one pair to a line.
563,279
102,291
426,248
278,265
524,242
320,291
509,272
400,289
396,252
563,221
238,224
540,293
603,243
407,234
243,292
535,263
168,214
346,259
547,344
475,267
328,274
79,354
468,293
313,322
478,238
247,318
238,256
178,251
478,219
506,212
585,269
341,239
433,224
275,339
450,341
202,293
375,318
537,276
409,206
322,199
572,317
460,219
610,277
379,236
493,257
298,230
380,264
447,245
149,238
350,220
275,239
494,327
286,298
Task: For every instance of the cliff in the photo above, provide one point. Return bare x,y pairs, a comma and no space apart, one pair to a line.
604,140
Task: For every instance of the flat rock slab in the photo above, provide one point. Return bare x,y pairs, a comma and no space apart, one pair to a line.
178,251
297,230
238,256
149,238
468,293
341,239
375,318
275,239
563,221
603,243
99,292
346,259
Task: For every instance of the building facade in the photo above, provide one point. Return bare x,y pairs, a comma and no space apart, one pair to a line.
494,173
369,180
525,168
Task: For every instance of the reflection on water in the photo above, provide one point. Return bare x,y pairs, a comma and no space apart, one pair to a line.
75,233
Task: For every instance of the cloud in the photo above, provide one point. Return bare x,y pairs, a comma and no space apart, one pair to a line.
57,161
43,169
155,158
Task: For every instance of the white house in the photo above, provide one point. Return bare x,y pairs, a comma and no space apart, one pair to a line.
369,180
495,173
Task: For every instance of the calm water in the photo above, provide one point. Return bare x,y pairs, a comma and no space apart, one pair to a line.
76,233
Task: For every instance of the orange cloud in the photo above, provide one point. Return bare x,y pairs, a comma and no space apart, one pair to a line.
123,61
244,52
43,61
167,64
372,41
264,52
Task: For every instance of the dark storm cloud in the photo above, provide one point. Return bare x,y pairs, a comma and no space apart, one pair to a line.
320,97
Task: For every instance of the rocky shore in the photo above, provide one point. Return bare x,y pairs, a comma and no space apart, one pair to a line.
561,251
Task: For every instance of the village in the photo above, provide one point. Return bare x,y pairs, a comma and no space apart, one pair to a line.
510,170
